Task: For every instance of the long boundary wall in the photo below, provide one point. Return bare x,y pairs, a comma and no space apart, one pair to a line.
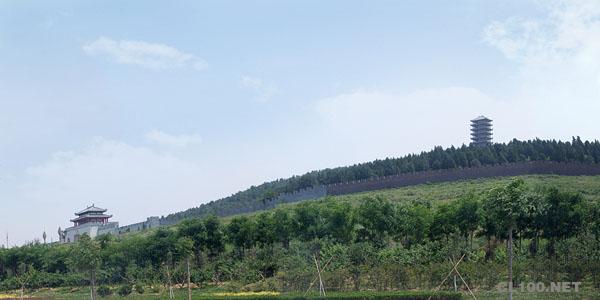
416,178
512,169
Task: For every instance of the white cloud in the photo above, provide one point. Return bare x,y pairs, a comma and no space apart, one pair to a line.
144,54
264,91
404,123
182,140
569,32
132,181
558,66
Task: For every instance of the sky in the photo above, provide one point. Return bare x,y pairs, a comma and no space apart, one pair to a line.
152,107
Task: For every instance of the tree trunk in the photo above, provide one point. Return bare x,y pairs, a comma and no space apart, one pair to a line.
455,285
488,253
22,290
199,259
170,283
189,287
93,282
471,240
356,281
510,264
286,244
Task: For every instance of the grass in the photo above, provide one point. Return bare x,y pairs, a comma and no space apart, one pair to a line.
83,293
493,295
588,186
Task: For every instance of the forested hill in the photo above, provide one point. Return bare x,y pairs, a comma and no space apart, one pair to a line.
256,197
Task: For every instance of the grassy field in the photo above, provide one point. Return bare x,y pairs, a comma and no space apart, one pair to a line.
589,186
83,293
535,296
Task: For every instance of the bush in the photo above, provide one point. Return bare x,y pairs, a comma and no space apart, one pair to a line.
124,290
104,291
270,284
155,289
139,288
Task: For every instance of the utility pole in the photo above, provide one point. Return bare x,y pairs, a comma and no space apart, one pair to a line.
7,241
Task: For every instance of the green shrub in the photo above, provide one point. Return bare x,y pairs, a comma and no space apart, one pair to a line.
104,291
269,284
139,288
124,290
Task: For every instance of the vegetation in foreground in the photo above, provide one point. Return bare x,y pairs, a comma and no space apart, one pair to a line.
199,295
376,241
209,293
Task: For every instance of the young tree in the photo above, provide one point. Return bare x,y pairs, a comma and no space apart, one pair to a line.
359,255
214,236
284,226
564,216
196,231
468,216
160,243
185,247
532,223
376,216
85,257
168,271
264,230
132,274
23,276
240,233
413,222
339,222
508,205
444,221
307,221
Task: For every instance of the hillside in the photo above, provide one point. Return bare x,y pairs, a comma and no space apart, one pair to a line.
588,186
438,193
394,239
262,196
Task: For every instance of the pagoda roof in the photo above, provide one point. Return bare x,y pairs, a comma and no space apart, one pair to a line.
481,124
480,118
91,209
102,216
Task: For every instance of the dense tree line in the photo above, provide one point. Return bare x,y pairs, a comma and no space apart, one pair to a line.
375,244
257,197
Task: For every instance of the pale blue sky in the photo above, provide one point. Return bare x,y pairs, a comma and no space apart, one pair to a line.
150,107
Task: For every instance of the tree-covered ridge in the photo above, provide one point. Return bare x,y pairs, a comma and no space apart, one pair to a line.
437,159
376,244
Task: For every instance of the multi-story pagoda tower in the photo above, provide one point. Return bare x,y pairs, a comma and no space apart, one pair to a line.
481,131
